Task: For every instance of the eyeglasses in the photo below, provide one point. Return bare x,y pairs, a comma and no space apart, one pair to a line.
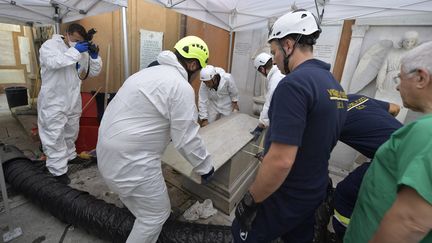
397,78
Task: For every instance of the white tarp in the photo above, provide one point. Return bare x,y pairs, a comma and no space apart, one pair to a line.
237,15
43,11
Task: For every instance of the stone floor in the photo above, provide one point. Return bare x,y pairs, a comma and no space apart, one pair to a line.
38,225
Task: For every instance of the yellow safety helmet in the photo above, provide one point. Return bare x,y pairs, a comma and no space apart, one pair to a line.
193,47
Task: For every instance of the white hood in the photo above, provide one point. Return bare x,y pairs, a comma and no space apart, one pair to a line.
169,58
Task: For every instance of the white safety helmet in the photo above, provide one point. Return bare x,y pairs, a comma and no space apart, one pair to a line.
207,73
296,22
261,59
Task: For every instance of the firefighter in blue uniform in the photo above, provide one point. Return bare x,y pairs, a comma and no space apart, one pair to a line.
307,106
369,124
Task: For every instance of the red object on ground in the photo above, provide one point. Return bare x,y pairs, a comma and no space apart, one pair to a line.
89,125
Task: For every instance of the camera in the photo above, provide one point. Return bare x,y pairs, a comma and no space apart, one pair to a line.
92,47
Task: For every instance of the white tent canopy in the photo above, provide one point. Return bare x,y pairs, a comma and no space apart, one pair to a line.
237,15
52,12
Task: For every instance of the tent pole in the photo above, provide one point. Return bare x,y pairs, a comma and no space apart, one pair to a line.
230,50
57,18
57,28
125,43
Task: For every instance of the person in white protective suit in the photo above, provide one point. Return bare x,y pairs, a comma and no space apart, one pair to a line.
153,106
218,94
62,59
263,63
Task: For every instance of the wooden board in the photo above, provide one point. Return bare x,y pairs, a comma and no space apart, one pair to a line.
223,139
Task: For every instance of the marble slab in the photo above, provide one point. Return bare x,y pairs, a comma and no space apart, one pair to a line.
223,139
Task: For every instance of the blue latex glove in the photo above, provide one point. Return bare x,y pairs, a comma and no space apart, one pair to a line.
207,177
93,54
246,212
257,133
82,46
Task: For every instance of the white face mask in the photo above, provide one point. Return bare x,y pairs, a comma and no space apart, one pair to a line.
72,43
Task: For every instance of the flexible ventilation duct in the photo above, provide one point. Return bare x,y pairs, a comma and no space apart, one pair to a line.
89,213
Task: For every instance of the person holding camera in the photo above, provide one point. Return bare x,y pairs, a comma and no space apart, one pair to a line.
62,59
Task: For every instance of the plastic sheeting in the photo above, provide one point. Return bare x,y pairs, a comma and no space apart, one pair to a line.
42,11
200,210
236,15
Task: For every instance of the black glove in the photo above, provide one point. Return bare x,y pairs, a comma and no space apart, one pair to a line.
260,155
207,177
257,133
246,212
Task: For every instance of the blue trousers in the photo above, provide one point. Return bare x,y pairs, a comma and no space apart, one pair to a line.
291,219
345,196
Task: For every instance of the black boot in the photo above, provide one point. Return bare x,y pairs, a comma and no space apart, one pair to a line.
78,160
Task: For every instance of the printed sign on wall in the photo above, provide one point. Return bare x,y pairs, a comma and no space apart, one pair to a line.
150,46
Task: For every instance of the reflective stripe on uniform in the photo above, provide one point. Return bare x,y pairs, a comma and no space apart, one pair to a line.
342,219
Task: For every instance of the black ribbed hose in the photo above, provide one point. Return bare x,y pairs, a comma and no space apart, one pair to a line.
94,215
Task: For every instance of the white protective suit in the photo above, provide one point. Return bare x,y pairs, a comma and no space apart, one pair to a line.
59,100
153,106
273,78
215,104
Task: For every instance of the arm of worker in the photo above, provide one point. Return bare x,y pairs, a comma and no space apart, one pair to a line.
394,109
203,103
274,169
52,58
233,91
184,130
408,220
235,106
95,65
264,119
273,82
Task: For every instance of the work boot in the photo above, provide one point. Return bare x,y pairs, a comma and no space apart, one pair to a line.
78,160
64,179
